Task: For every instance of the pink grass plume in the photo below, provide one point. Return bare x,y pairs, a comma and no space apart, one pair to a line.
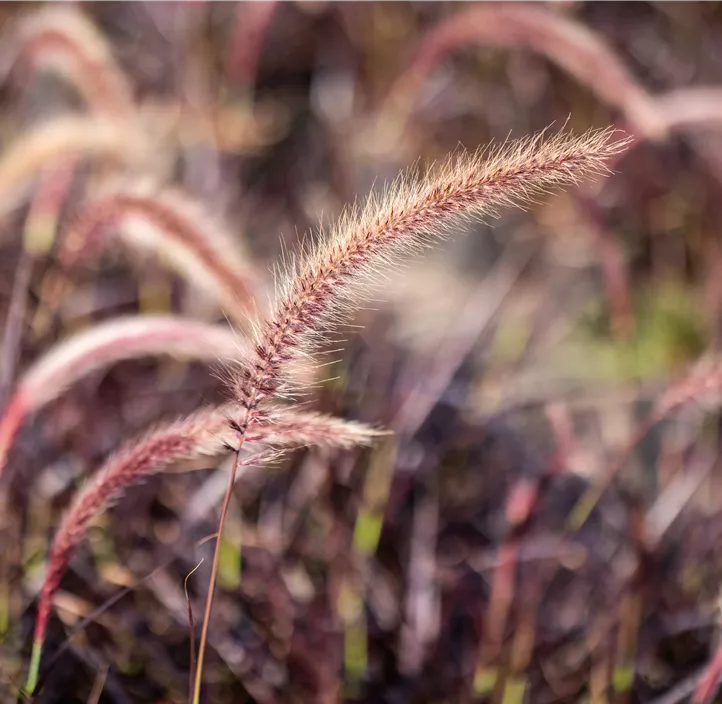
103,345
171,225
208,432
334,275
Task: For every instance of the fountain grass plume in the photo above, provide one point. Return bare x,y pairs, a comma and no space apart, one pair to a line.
207,433
571,45
171,225
332,276
108,343
57,140
63,40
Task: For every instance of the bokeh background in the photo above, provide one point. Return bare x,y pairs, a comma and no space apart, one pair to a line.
516,364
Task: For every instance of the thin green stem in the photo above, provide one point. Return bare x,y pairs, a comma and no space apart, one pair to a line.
34,670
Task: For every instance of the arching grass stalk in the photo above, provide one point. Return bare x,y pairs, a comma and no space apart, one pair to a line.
332,276
172,225
103,345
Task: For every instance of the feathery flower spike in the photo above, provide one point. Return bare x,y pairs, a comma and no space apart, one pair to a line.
56,141
171,225
334,274
64,40
208,432
105,344
571,45
325,286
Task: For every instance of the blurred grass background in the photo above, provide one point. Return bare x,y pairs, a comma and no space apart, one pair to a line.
513,363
